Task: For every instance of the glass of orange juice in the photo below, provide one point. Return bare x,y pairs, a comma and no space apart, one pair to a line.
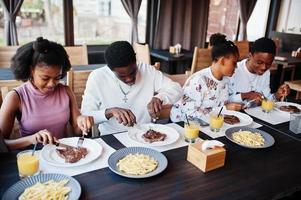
191,131
216,122
267,105
28,164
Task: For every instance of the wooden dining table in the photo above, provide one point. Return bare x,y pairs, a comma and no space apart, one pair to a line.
271,173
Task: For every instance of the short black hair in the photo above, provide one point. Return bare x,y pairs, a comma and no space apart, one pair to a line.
216,38
120,54
40,51
264,45
223,48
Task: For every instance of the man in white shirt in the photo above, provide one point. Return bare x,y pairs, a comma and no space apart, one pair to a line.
124,93
251,80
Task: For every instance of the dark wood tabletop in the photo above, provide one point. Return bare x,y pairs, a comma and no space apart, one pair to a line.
290,60
6,73
269,173
166,56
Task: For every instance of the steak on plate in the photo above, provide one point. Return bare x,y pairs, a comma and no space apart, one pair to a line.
72,154
231,119
153,136
290,108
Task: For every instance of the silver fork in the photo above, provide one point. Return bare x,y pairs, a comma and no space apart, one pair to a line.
81,140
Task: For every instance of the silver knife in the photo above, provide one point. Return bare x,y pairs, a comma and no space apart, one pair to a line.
58,144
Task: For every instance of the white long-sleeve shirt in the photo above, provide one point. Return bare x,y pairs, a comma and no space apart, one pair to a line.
104,90
202,93
243,81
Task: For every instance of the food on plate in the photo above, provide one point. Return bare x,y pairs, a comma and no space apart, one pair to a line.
72,154
153,136
137,164
231,119
248,138
290,108
48,190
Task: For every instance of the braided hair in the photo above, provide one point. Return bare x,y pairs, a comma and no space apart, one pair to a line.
40,51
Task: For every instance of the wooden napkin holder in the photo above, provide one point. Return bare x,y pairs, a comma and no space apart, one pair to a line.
207,160
172,50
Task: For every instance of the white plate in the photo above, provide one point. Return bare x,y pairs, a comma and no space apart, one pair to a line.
282,103
135,133
244,119
50,155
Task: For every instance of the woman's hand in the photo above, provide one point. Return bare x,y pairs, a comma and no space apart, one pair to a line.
85,123
234,106
43,136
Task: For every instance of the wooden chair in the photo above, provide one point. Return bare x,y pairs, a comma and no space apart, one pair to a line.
78,55
76,80
201,59
143,54
179,78
6,86
295,85
243,49
6,54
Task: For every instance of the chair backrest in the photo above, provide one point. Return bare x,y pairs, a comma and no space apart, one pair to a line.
243,49
277,42
78,55
76,80
6,54
142,53
179,78
6,86
201,59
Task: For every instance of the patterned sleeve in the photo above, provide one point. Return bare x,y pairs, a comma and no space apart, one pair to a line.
191,102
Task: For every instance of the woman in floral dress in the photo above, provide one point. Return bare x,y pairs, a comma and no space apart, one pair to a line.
208,88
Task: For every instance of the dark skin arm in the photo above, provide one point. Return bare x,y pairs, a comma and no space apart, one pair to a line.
9,108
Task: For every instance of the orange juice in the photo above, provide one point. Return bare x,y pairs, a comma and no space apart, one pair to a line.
216,123
191,131
28,165
267,105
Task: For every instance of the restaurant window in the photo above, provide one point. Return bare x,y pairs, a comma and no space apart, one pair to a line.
105,21
223,18
40,18
257,23
289,17
2,36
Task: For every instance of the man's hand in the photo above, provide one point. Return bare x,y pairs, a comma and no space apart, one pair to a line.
124,116
282,92
252,96
154,107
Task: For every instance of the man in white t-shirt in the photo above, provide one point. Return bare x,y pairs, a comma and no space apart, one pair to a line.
124,93
251,80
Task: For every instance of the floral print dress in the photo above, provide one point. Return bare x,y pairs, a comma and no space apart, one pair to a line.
202,93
